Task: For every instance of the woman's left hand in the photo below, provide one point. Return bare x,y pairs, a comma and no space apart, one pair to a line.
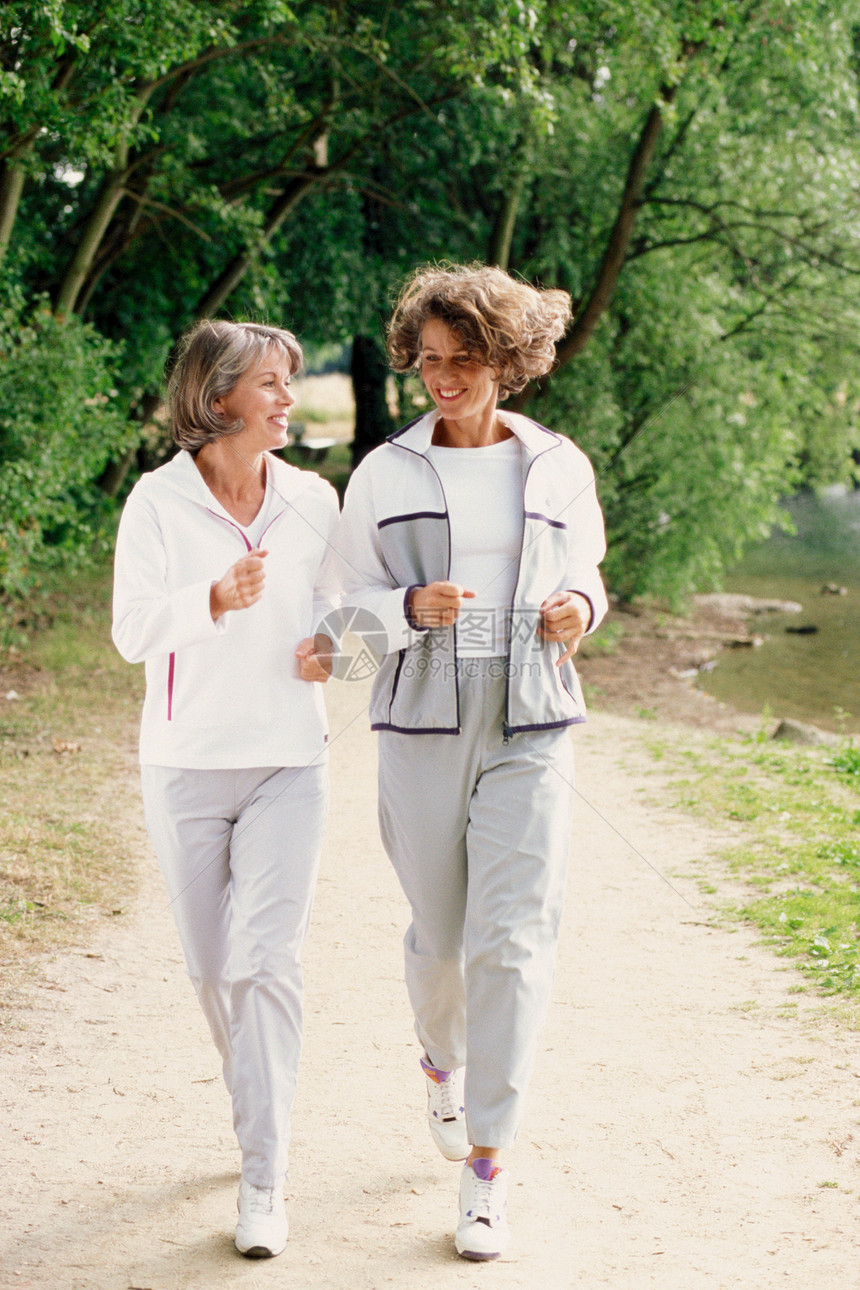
564,616
315,654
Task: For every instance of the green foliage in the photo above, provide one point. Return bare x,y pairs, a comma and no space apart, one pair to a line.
721,375
847,760
605,640
160,158
59,426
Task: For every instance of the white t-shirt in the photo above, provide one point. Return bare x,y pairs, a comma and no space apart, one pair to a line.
484,490
255,530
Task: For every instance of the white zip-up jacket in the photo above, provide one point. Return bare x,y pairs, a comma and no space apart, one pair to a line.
223,695
394,535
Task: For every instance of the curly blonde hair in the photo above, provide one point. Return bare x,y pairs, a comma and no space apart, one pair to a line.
504,323
210,358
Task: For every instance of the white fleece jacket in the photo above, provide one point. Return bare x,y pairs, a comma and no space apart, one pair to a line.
227,694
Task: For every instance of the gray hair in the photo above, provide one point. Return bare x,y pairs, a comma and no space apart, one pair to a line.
210,359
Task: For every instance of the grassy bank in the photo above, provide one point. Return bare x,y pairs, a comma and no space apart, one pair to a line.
68,716
794,871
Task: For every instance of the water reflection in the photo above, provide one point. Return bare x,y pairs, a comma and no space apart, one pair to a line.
814,677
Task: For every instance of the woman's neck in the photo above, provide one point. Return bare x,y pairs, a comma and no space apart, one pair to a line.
239,484
467,433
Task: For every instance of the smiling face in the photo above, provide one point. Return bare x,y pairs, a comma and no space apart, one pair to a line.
464,390
261,399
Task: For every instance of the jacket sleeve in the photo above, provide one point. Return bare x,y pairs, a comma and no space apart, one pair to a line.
327,589
587,547
149,620
364,578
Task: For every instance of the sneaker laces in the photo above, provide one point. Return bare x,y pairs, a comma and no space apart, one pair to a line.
481,1208
443,1093
261,1201
448,1109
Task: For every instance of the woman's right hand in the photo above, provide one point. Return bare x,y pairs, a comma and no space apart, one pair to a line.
241,586
438,604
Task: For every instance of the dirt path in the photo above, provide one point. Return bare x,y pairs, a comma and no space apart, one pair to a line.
693,1123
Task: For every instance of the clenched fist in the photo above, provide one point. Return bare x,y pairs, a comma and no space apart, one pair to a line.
438,604
564,618
241,586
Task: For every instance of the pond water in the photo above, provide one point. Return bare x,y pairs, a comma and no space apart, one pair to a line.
812,677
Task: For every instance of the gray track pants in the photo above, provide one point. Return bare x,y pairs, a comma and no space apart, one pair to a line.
478,832
239,850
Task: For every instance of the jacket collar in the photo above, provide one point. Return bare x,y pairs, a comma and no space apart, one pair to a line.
535,438
181,474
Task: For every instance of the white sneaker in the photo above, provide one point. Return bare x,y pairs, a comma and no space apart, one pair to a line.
446,1114
262,1230
483,1232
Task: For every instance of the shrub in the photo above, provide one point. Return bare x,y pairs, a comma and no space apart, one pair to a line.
59,426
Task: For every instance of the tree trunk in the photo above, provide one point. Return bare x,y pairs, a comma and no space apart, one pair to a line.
86,250
620,237
229,279
373,421
502,236
99,221
11,187
115,473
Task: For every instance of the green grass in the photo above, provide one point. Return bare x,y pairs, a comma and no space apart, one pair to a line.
797,861
604,640
66,745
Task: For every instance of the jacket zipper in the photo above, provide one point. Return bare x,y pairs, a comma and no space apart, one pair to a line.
507,729
171,664
447,576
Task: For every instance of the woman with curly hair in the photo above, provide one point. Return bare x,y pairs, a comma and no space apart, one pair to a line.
469,546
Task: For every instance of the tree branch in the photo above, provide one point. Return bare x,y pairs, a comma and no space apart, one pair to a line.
621,233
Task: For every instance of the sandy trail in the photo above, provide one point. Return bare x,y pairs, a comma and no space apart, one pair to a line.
692,1122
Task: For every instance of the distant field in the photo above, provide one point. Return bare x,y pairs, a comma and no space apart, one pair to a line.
326,406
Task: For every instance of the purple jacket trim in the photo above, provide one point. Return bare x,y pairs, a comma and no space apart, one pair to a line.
536,515
590,602
400,659
549,725
426,730
270,524
414,515
403,429
416,627
171,668
242,535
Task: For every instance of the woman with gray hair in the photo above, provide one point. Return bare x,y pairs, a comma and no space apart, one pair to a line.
218,587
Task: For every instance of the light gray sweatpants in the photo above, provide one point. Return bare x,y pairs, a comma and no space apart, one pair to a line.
239,850
478,832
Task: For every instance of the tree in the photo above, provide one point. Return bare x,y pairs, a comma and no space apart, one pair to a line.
723,293
153,152
696,194
687,169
